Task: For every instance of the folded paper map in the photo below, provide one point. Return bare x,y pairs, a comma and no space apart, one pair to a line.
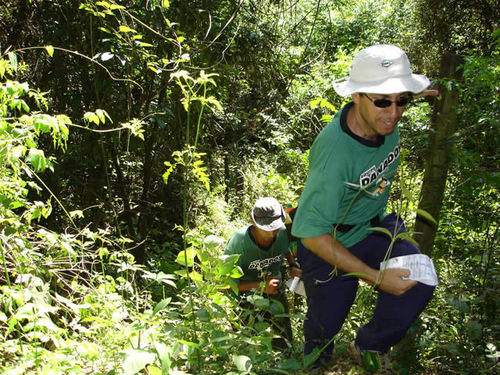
420,265
296,285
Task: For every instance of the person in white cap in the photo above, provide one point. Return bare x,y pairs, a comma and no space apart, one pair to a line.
352,163
262,247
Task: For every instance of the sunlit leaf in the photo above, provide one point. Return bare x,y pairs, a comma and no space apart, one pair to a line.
243,363
76,213
107,56
91,117
153,370
37,159
13,60
161,305
50,50
195,276
406,193
126,29
136,360
186,257
164,356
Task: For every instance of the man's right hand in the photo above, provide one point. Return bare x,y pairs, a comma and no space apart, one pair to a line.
391,281
272,284
333,252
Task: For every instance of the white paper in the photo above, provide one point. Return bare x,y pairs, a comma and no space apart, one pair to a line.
296,285
420,265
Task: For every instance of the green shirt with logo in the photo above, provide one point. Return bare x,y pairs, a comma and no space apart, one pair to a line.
348,183
253,259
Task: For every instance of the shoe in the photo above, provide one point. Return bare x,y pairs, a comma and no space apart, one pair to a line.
372,361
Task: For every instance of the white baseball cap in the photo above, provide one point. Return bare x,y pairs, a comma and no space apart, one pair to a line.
268,214
381,69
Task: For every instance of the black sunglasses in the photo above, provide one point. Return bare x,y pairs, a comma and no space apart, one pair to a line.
384,103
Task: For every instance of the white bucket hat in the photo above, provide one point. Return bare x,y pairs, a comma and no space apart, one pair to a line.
381,69
268,214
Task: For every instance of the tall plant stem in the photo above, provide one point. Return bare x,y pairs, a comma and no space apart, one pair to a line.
185,223
4,262
198,124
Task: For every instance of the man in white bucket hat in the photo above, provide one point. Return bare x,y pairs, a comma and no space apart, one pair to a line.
352,163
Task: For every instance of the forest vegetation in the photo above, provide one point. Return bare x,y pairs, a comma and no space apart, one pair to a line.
136,135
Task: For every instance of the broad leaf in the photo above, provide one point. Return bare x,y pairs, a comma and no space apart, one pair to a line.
136,360
243,363
50,50
426,215
37,159
161,305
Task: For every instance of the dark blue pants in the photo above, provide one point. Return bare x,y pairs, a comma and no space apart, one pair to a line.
330,296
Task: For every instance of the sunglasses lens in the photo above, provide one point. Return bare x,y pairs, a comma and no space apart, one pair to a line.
403,101
382,103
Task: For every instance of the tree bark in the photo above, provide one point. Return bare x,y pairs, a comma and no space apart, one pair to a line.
444,125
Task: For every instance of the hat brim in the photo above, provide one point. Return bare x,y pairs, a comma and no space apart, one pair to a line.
276,224
414,83
270,225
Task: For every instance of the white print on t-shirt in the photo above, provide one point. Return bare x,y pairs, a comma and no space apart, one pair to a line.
372,174
260,264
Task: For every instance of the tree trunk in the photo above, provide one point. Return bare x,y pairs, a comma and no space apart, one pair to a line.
444,125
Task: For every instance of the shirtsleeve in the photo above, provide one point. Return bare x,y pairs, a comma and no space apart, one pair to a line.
318,208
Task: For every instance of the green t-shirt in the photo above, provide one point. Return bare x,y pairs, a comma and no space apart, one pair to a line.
253,259
349,181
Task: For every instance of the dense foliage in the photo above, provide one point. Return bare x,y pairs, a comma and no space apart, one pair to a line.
135,136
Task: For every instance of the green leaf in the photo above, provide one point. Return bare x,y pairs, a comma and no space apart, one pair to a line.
461,306
226,263
136,360
371,360
116,6
91,117
126,29
153,370
170,168
44,123
475,329
37,159
234,286
186,257
426,215
243,363
314,103
406,236
236,273
407,194
101,115
195,276
161,305
203,315
165,3
107,56
190,343
50,50
164,356
383,230
13,60
262,303
214,102
16,153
